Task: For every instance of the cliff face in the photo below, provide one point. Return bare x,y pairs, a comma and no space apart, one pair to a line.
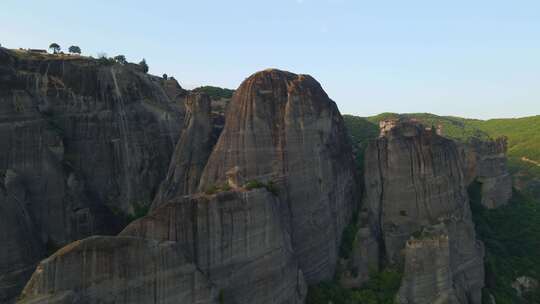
81,143
230,247
416,182
283,170
192,151
237,238
283,128
139,271
485,162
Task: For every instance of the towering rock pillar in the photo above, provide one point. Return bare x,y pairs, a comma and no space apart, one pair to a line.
415,185
282,128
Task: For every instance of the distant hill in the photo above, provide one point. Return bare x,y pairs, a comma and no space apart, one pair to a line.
215,93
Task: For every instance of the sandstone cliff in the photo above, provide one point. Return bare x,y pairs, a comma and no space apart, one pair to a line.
283,172
415,182
103,269
485,162
82,144
192,151
282,128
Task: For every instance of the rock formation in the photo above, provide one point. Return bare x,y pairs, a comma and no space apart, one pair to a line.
416,183
192,151
82,144
283,128
103,269
280,188
237,238
485,162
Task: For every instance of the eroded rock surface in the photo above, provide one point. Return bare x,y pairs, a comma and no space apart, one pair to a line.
485,162
87,142
416,183
118,270
237,238
283,128
192,151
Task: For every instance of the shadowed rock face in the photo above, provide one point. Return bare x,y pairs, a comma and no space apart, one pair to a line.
238,239
417,183
485,162
228,248
192,151
282,127
79,141
118,270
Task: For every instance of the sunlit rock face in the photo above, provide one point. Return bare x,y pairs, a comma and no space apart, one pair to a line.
82,144
282,128
414,182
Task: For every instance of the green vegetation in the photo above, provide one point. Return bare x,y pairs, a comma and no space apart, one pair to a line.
381,288
144,66
120,59
139,210
255,184
348,237
55,47
218,188
511,235
215,93
74,49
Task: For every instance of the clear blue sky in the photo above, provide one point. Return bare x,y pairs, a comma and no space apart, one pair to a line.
477,59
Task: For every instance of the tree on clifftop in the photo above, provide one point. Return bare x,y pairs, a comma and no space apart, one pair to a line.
120,59
55,47
74,49
144,65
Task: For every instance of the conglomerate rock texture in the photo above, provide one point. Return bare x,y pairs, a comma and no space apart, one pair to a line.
282,128
82,143
485,163
415,183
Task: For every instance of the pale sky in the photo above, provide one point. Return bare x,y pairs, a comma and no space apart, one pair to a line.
478,59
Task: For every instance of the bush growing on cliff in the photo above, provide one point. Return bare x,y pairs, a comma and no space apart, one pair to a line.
255,184
120,59
381,288
144,66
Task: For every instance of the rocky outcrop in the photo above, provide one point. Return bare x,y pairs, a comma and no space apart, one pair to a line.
118,270
192,151
85,142
428,277
416,184
280,188
231,247
237,238
485,162
283,128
